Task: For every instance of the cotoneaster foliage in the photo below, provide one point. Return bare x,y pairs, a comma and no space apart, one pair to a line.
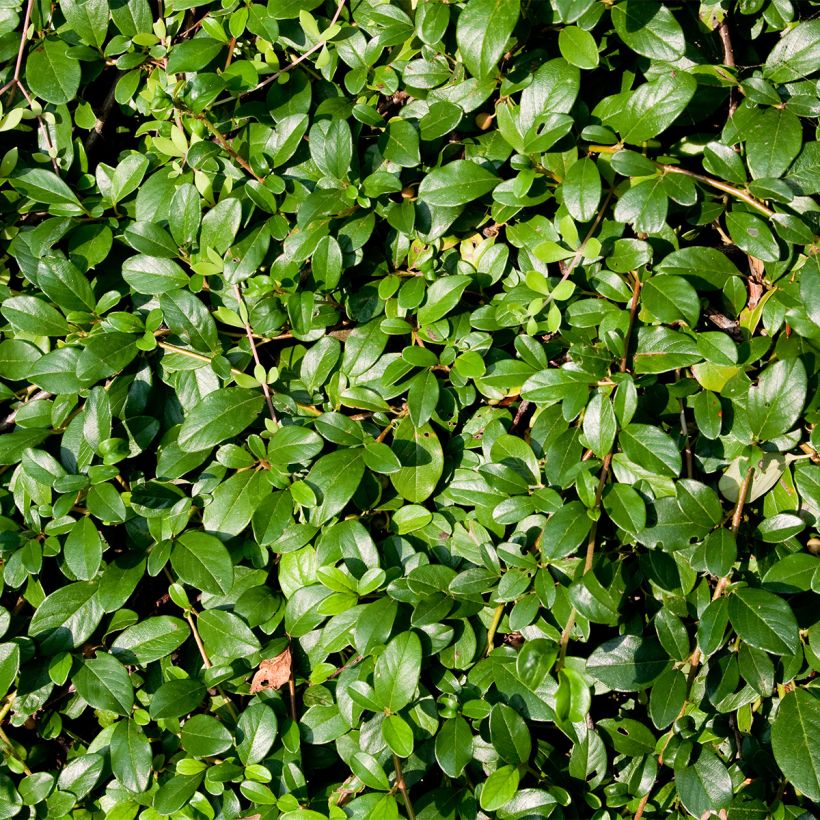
409,409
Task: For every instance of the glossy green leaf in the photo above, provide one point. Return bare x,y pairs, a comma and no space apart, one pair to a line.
794,731
484,26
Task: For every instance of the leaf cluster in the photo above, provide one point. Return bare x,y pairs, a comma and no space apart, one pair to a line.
409,408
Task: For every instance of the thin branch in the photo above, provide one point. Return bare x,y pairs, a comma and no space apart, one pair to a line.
729,61
602,479
402,787
301,58
102,119
43,130
249,332
684,428
697,655
718,184
4,710
726,40
737,516
189,616
633,312
8,421
579,253
192,354
228,148
493,628
15,80
11,753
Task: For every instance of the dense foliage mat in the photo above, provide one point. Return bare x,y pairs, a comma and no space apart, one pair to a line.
409,409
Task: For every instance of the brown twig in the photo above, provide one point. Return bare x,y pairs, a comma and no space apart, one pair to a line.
729,61
642,806
402,787
737,516
684,428
719,185
697,655
189,616
579,253
633,312
228,148
8,421
301,58
231,47
107,107
249,332
15,80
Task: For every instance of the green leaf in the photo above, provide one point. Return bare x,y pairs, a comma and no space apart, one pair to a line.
234,502
202,561
764,620
130,756
402,144
397,735
66,618
44,186
499,788
335,478
454,746
600,425
27,314
396,676
153,275
656,105
775,402
773,142
192,55
626,508
565,531
83,550
88,19
671,299
651,448
221,415
176,698
150,640
628,663
226,636
509,734
578,47
752,235
442,296
456,183
52,73
188,318
484,26
649,28
256,732
422,460
582,189
704,786
422,398
104,683
205,736
796,55
9,665
794,741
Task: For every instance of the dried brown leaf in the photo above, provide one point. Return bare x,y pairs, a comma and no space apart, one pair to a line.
272,672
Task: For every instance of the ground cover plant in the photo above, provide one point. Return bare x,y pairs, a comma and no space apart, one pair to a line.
409,408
